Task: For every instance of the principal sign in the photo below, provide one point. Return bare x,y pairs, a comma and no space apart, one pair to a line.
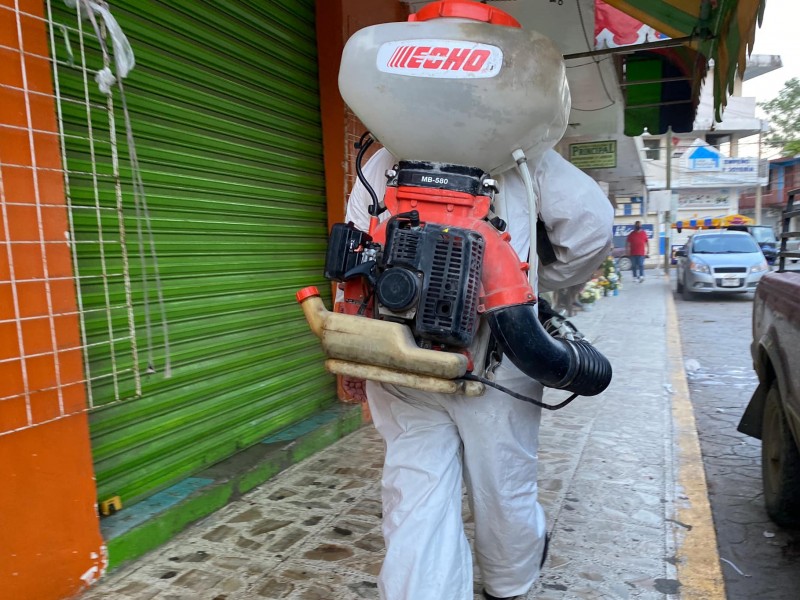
594,155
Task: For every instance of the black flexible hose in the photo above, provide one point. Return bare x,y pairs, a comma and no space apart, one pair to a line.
575,366
517,395
363,145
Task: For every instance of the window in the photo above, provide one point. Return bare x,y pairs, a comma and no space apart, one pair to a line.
652,149
724,244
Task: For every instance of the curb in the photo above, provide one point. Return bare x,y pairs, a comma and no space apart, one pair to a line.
152,522
695,539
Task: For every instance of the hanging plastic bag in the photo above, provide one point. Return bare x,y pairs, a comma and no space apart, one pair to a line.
123,53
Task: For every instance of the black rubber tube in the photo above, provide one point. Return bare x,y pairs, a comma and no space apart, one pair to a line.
577,367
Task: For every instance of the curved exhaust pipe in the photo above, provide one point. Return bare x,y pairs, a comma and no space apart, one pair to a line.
575,366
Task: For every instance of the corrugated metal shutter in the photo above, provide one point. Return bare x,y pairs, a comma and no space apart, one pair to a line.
225,109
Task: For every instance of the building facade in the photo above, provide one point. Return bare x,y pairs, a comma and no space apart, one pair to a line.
152,242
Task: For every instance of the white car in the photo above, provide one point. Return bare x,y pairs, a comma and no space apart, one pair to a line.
719,261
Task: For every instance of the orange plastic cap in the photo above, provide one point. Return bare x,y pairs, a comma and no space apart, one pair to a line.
464,9
307,293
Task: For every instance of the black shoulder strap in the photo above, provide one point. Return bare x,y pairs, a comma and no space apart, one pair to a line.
544,247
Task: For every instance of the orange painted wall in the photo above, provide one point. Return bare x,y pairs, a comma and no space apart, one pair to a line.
336,22
50,543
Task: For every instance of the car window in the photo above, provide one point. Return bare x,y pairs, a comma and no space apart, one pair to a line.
763,234
724,244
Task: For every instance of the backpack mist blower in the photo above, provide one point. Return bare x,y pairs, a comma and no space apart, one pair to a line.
458,92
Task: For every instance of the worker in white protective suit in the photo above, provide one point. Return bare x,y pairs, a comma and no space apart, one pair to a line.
435,440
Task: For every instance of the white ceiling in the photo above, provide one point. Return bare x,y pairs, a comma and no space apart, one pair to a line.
597,104
597,107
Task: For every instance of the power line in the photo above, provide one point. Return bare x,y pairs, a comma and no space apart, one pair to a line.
590,47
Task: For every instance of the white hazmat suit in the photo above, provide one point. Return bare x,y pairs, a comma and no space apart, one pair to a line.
433,441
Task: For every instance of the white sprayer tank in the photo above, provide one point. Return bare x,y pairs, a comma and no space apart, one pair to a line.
458,91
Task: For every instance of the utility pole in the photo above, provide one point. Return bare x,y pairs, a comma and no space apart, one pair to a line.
758,176
668,212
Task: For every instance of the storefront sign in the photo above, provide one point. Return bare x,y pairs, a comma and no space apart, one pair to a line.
744,166
713,199
594,155
622,231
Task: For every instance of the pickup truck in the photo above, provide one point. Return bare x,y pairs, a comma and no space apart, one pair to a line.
773,413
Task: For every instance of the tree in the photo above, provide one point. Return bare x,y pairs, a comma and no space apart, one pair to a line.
784,118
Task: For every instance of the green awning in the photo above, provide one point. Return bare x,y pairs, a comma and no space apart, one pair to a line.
724,31
662,89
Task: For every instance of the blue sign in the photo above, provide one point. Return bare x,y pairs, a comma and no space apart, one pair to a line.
624,230
704,158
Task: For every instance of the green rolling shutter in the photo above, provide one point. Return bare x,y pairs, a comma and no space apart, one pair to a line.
224,106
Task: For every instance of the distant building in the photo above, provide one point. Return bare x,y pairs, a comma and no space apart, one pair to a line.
707,175
784,175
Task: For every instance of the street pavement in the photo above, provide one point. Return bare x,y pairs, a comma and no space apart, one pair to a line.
759,559
620,478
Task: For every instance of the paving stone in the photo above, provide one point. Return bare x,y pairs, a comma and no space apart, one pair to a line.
268,526
221,533
329,552
288,539
137,589
246,516
274,588
198,580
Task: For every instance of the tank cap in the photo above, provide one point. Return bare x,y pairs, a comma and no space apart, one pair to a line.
307,292
464,9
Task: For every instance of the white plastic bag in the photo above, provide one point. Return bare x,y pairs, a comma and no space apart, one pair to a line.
123,53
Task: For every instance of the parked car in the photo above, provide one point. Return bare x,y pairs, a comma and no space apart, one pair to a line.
719,261
764,236
620,254
773,413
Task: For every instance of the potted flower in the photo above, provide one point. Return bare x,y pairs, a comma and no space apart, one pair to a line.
613,283
587,298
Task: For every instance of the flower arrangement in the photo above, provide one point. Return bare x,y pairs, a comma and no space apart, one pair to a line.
612,279
609,266
592,291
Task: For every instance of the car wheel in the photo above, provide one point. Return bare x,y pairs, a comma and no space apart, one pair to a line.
680,286
624,264
687,294
780,464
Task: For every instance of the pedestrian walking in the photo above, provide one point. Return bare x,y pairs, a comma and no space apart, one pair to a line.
637,246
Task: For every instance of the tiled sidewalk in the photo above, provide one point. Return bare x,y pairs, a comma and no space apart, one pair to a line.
606,482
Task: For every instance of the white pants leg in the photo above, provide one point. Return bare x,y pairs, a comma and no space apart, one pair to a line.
427,553
428,556
500,436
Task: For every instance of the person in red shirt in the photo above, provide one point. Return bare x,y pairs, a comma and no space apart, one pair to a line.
638,246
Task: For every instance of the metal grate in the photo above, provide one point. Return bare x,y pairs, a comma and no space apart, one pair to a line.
38,261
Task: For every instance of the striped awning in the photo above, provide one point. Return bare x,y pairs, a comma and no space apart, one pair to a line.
725,31
713,222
